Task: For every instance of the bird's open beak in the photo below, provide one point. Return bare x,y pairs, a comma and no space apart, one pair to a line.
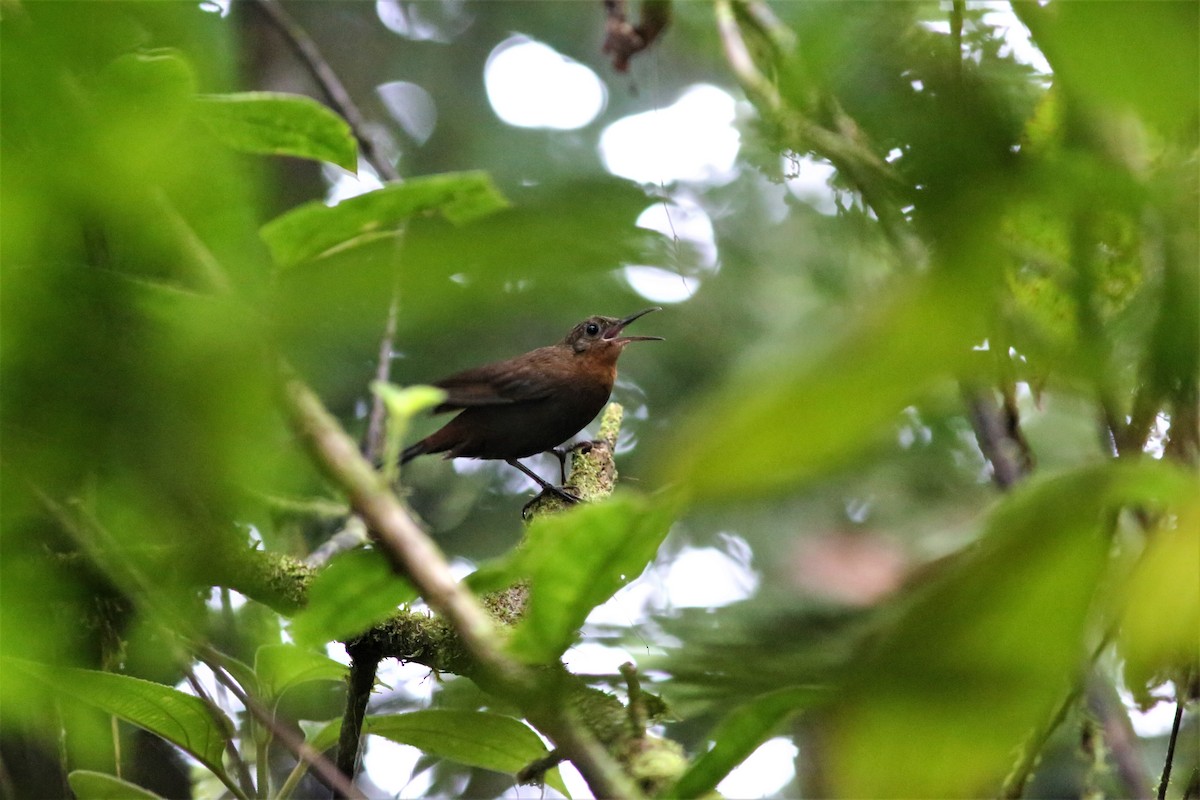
615,330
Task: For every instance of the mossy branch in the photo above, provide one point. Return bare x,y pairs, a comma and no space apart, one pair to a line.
585,723
539,693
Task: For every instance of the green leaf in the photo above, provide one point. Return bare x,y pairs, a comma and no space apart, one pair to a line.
273,123
475,738
181,719
1119,53
315,228
88,785
979,659
402,405
791,415
739,735
148,83
580,227
355,591
281,666
576,561
1155,646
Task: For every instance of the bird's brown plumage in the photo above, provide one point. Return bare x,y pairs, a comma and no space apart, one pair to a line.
534,402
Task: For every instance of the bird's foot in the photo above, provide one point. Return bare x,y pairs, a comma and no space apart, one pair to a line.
551,491
547,487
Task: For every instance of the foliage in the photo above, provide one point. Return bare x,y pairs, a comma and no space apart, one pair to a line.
992,345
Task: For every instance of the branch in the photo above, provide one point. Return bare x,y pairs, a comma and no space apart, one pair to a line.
293,742
1120,740
328,80
624,40
998,433
1175,725
410,552
414,555
841,144
361,679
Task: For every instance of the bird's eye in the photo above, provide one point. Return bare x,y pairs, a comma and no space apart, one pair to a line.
592,329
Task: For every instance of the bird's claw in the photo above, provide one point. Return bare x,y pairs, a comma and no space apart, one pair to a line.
553,491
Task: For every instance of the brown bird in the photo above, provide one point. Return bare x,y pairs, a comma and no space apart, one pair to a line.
534,402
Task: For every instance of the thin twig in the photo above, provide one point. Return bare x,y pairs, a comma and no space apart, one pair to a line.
341,100
841,144
373,446
321,766
1175,726
329,82
737,53
218,716
781,36
1120,740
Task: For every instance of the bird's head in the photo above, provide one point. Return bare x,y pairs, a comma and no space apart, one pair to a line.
602,335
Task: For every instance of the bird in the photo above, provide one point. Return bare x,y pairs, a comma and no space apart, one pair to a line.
531,403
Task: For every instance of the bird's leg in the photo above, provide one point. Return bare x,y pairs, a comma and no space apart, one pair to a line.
561,454
546,487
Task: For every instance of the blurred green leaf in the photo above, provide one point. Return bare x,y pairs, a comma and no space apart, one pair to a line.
273,123
475,738
1143,56
281,666
402,405
577,560
790,416
181,719
145,84
315,228
1159,646
739,735
556,233
88,785
355,591
942,704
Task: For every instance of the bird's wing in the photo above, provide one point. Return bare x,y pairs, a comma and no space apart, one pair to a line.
517,380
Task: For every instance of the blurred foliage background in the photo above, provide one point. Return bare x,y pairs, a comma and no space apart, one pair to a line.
934,416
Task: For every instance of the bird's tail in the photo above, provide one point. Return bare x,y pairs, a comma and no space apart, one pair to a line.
411,452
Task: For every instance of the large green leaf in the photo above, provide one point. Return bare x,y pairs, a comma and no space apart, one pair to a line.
88,785
281,666
1121,54
475,738
1159,646
355,591
944,701
280,124
789,416
738,735
315,228
554,233
181,719
576,561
